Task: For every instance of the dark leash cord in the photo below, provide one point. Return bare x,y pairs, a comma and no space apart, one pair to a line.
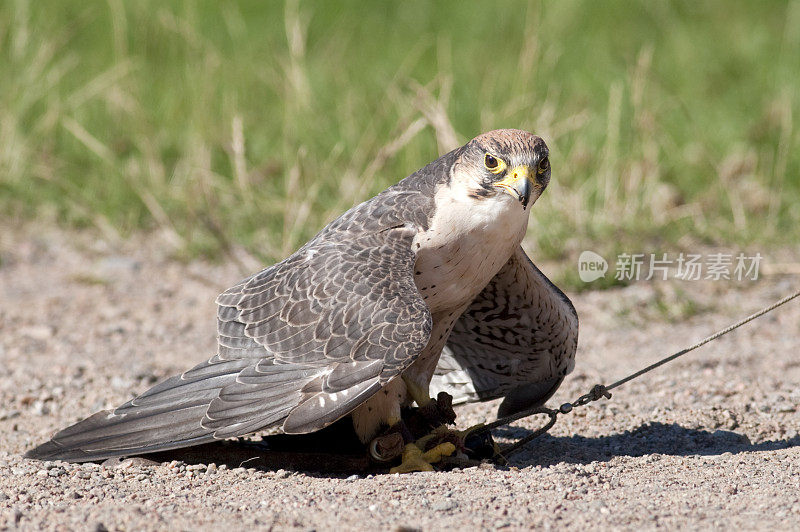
599,391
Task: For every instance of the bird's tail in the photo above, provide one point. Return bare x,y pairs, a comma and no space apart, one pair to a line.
215,400
106,434
169,415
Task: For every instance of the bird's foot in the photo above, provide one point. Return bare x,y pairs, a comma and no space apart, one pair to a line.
415,459
442,442
421,422
422,438
416,455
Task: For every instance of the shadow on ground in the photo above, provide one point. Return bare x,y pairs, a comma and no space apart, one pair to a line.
334,450
650,438
326,456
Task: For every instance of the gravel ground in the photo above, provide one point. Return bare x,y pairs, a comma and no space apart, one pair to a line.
710,441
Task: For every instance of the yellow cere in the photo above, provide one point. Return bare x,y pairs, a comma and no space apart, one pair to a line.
517,174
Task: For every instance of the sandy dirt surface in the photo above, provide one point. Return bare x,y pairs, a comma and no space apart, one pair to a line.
710,441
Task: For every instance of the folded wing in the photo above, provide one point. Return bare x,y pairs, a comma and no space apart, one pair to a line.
516,340
301,344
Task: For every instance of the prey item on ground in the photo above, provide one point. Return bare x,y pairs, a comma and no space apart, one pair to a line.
424,287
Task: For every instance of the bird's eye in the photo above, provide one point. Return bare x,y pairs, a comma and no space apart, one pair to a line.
493,164
544,164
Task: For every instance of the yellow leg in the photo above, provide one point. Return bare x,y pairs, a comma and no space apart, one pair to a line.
418,393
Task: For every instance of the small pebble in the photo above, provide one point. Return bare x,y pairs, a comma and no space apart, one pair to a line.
443,506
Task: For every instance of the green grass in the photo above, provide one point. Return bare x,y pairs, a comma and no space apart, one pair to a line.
251,124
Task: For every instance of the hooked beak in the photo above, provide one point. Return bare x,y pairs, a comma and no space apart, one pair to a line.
517,182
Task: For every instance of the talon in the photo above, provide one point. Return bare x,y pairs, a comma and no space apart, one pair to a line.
414,459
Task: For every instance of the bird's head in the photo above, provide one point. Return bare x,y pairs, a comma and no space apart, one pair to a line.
503,164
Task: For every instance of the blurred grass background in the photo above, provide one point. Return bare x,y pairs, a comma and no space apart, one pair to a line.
241,128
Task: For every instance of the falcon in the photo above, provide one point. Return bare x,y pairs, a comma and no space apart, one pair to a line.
425,287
